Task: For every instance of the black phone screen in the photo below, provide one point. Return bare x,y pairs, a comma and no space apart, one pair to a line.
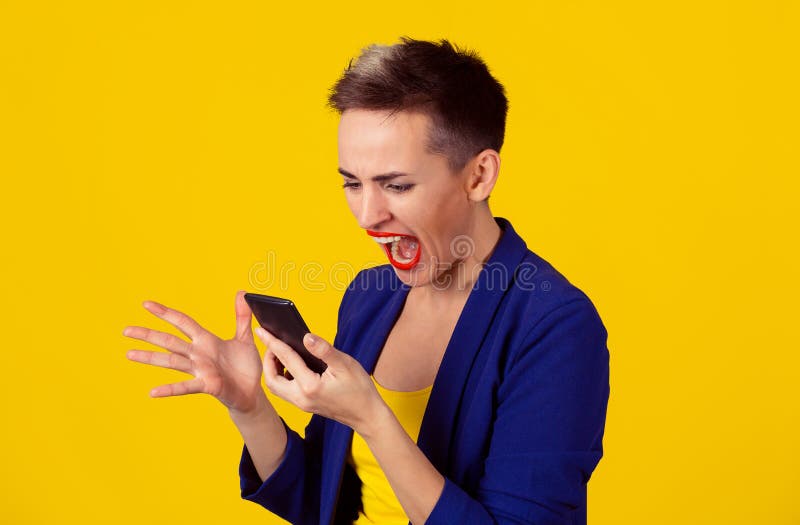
280,317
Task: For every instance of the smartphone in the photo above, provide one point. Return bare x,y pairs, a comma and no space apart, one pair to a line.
280,318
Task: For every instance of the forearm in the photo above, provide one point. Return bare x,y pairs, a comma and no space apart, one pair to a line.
264,435
415,481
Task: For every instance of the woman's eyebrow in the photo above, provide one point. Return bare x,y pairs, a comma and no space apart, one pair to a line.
377,178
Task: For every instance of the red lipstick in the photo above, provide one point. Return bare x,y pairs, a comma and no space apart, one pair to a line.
387,247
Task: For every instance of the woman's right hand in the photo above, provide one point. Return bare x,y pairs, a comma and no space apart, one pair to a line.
229,370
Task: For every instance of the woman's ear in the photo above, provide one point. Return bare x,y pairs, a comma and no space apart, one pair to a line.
482,174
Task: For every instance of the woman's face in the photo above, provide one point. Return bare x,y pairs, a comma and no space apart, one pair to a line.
407,199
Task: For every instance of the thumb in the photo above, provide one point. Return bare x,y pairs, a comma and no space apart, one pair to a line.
244,330
320,348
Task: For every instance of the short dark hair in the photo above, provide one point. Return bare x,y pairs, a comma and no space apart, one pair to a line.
453,86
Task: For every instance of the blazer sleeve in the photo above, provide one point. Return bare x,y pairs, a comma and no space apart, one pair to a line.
293,490
547,429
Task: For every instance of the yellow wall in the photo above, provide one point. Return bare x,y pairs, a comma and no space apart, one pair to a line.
169,150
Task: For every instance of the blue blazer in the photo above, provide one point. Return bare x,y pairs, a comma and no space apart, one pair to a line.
516,415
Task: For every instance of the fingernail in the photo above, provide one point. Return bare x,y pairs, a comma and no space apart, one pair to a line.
261,332
310,339
154,306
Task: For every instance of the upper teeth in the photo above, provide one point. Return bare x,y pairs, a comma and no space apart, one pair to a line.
387,240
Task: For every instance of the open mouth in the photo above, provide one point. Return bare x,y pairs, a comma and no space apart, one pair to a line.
403,251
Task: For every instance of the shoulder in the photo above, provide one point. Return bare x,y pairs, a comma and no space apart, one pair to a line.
539,290
531,286
545,312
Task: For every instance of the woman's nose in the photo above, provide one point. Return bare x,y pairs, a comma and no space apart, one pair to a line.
373,210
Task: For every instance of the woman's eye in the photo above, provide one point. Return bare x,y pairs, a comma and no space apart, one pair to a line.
398,188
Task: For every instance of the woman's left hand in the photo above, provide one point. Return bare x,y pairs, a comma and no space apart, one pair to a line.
343,392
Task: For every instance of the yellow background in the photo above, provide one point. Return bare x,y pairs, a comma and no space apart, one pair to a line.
171,151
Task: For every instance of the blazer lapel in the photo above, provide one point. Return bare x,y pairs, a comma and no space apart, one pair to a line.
471,328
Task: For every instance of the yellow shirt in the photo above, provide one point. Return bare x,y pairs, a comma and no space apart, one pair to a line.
380,503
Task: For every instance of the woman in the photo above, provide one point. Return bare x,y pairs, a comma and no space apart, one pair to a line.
468,379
